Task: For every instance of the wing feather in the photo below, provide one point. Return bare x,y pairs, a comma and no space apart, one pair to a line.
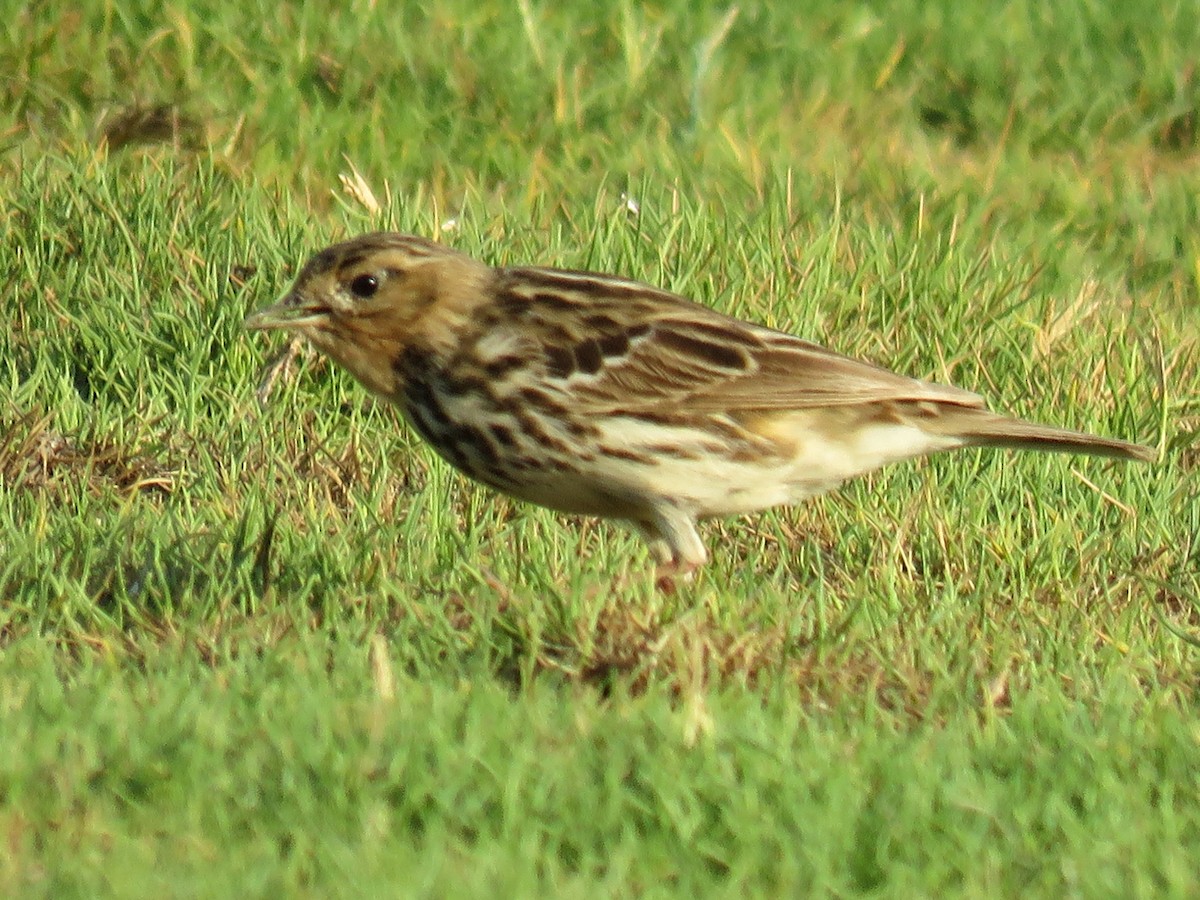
666,352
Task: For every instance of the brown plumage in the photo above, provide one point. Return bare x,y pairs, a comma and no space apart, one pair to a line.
598,395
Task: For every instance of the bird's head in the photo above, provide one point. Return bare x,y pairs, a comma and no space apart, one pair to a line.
365,301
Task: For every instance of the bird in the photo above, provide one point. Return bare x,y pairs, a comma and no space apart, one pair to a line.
598,395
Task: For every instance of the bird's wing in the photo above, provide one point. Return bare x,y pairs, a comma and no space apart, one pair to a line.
612,344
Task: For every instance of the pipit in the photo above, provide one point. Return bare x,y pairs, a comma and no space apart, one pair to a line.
597,395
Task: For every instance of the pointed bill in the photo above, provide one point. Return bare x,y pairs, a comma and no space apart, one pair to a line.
292,312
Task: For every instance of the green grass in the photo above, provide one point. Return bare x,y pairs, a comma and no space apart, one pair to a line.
291,774
284,650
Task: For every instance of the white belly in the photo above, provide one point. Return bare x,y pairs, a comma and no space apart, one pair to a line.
711,483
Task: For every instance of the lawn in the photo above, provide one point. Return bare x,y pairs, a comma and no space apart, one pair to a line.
280,649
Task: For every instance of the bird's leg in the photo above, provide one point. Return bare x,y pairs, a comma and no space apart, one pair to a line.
665,568
675,545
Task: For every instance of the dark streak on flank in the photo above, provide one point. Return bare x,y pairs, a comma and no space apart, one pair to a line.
621,453
411,365
423,396
654,417
464,385
466,448
674,451
540,400
485,450
500,366
422,427
525,407
534,413
531,398
503,435
423,419
580,428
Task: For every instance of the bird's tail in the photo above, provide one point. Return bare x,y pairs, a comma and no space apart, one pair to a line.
981,428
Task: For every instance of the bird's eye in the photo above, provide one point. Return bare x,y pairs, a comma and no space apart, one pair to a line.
364,286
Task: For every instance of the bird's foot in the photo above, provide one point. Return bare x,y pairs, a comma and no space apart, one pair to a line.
668,575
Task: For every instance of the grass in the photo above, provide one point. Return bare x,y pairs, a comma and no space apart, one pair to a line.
322,779
285,650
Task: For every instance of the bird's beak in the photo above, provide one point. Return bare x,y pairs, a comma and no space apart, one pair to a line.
291,313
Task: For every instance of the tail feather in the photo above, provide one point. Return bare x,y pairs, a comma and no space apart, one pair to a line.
981,428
